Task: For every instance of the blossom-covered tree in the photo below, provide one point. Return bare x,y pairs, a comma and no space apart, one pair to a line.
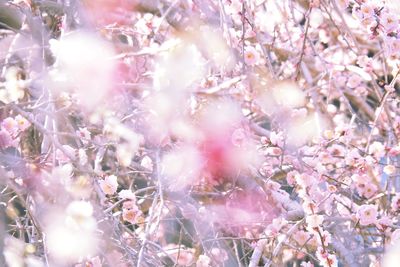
199,133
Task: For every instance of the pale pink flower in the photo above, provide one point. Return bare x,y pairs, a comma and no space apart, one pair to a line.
276,225
186,257
369,190
22,123
276,138
109,185
389,21
326,259
393,45
340,80
367,214
251,56
354,81
131,215
367,10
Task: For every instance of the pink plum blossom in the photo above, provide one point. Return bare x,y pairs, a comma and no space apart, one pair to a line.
367,214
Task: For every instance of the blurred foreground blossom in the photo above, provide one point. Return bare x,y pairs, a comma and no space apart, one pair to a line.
15,86
18,253
84,67
71,236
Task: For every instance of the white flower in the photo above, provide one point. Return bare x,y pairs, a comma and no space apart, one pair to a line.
126,194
